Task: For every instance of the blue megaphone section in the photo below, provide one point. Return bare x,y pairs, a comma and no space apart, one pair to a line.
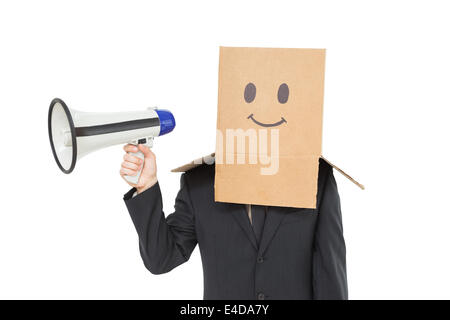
166,121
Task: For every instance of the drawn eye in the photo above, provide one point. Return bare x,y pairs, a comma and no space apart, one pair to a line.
249,92
283,93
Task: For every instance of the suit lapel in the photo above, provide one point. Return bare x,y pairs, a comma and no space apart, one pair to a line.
240,214
274,217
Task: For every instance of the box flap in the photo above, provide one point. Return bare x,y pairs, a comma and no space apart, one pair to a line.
344,173
209,159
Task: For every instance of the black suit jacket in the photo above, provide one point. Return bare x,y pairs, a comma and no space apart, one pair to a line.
301,253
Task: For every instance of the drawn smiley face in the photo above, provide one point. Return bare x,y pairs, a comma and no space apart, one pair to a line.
273,89
283,97
270,107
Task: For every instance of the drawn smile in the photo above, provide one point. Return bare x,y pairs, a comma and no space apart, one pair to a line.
267,124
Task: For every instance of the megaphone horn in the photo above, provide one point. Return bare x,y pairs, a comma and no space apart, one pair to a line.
73,134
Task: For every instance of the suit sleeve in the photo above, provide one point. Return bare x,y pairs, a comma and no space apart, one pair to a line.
164,243
329,264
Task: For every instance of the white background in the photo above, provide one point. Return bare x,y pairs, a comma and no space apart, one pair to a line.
386,123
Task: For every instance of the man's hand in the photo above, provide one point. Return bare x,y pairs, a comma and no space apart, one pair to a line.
131,165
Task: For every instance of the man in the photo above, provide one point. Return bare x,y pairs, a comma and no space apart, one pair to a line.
248,252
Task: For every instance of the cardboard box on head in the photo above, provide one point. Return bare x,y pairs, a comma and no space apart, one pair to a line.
269,126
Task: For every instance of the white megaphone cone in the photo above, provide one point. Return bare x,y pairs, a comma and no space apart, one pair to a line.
73,134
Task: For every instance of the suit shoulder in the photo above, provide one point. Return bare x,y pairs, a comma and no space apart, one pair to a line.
325,173
200,175
324,168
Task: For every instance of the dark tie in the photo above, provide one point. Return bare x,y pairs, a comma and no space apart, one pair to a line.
258,218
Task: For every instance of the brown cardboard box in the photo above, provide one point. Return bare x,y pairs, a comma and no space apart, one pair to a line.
269,126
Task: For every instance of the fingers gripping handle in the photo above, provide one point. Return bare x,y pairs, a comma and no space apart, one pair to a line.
135,179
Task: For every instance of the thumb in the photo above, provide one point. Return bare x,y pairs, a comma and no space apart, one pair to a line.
145,150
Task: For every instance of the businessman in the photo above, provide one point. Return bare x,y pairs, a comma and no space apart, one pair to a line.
248,251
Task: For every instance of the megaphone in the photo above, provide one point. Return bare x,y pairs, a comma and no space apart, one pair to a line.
74,134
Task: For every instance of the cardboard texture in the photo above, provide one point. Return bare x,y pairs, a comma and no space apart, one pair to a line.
300,135
269,127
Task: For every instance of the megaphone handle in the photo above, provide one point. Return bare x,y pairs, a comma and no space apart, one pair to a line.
135,179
